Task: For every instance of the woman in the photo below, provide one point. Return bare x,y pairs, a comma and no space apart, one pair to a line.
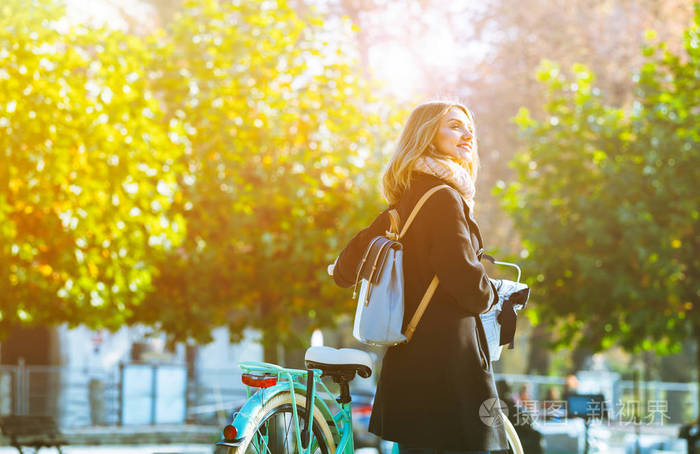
432,389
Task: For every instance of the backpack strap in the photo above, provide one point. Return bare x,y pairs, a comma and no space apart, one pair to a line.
395,219
411,327
428,295
362,264
393,234
417,208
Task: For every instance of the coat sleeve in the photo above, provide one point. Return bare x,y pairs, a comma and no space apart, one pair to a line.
453,256
345,271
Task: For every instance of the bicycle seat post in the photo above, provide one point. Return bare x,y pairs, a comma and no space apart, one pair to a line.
344,383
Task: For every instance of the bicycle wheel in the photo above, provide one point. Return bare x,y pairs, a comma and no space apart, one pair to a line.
514,445
275,433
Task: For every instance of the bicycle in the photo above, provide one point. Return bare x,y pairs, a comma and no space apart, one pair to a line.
286,402
281,391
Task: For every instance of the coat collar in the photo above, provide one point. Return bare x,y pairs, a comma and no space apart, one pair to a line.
422,182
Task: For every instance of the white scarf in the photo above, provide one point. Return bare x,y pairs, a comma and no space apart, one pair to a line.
450,171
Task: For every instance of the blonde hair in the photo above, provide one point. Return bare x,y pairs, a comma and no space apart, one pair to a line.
415,140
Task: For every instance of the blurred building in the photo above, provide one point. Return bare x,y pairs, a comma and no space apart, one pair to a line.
85,377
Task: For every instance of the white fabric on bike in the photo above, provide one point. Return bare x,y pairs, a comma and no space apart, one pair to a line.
338,357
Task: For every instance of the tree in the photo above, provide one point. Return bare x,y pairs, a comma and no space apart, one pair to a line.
606,204
86,174
198,176
283,148
605,35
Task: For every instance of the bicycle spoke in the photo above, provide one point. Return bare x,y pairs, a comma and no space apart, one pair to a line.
286,435
267,448
261,441
254,443
277,434
273,433
313,444
257,441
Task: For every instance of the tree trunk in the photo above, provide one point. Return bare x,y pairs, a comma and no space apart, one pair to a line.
539,354
192,396
270,342
579,357
649,372
675,368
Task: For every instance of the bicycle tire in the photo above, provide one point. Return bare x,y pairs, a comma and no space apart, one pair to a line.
514,445
280,407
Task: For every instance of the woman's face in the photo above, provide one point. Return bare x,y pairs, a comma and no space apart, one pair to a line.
455,137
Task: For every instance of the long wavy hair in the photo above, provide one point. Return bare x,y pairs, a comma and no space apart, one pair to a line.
415,140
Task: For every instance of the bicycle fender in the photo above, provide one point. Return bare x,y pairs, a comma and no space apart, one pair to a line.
244,420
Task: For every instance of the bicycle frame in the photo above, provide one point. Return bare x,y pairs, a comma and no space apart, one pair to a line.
294,382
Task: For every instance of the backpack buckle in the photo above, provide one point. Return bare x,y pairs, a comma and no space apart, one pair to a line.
391,235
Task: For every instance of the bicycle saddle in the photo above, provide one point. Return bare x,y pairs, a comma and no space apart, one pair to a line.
336,362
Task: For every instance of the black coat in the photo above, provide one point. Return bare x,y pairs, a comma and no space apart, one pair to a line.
431,388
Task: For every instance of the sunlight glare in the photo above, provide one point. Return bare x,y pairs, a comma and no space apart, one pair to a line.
394,66
105,12
438,49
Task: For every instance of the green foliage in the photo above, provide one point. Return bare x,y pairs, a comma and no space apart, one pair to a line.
282,139
201,176
86,171
607,205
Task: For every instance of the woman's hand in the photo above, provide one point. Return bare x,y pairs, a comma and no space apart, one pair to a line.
331,267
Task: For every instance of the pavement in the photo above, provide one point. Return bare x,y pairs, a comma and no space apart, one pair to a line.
144,449
141,449
558,437
163,439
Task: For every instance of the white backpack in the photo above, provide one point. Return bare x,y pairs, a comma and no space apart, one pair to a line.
380,305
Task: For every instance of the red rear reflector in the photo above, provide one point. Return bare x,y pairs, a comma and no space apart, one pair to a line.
259,381
230,432
362,410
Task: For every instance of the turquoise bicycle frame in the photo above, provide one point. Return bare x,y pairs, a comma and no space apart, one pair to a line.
292,381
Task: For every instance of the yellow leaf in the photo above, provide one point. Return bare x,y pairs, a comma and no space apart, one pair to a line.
15,184
45,269
92,268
